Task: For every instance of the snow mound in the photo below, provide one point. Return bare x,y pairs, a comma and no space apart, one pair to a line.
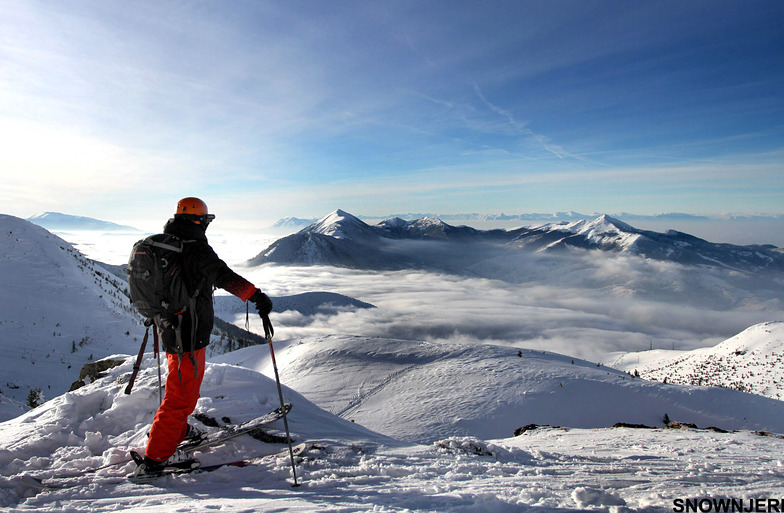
586,497
423,392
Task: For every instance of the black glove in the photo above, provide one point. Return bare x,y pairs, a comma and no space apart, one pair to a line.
262,301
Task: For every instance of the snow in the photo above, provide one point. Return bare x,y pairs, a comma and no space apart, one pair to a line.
602,231
350,468
750,361
406,389
342,225
392,424
57,311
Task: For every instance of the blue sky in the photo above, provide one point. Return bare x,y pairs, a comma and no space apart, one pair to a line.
115,109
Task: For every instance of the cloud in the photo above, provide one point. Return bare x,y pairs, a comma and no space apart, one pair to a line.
523,128
274,100
585,306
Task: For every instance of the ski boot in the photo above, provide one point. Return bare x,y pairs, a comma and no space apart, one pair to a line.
148,469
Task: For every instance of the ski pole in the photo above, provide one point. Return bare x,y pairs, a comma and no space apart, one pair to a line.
156,348
269,332
138,364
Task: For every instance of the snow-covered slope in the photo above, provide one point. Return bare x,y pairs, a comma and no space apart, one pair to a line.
348,468
423,392
58,310
752,361
97,424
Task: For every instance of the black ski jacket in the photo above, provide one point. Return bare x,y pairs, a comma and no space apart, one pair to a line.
202,272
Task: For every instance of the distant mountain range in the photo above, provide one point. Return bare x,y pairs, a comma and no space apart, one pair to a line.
534,217
65,222
341,239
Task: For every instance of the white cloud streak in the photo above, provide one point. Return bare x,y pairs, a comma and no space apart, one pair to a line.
523,128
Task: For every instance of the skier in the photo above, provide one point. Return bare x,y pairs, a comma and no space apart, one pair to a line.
202,271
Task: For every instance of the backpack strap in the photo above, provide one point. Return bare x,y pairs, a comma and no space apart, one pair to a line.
163,245
178,348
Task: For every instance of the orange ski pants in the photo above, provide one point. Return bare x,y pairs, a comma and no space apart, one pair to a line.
186,372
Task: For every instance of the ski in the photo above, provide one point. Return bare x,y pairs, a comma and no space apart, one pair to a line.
211,440
229,432
298,450
53,484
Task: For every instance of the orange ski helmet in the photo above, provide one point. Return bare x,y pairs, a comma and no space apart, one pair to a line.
195,210
193,206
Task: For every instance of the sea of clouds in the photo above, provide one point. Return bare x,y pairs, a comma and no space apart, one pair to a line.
586,304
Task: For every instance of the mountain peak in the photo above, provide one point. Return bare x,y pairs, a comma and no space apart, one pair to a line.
429,221
341,225
604,224
336,216
607,221
394,222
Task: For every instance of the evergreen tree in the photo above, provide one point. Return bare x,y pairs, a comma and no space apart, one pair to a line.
34,397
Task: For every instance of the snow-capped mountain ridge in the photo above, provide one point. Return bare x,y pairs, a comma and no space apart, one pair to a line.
344,240
65,222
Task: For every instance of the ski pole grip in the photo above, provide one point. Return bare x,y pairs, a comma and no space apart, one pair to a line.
269,331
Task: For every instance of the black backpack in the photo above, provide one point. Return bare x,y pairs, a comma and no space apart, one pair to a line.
158,292
156,283
155,277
